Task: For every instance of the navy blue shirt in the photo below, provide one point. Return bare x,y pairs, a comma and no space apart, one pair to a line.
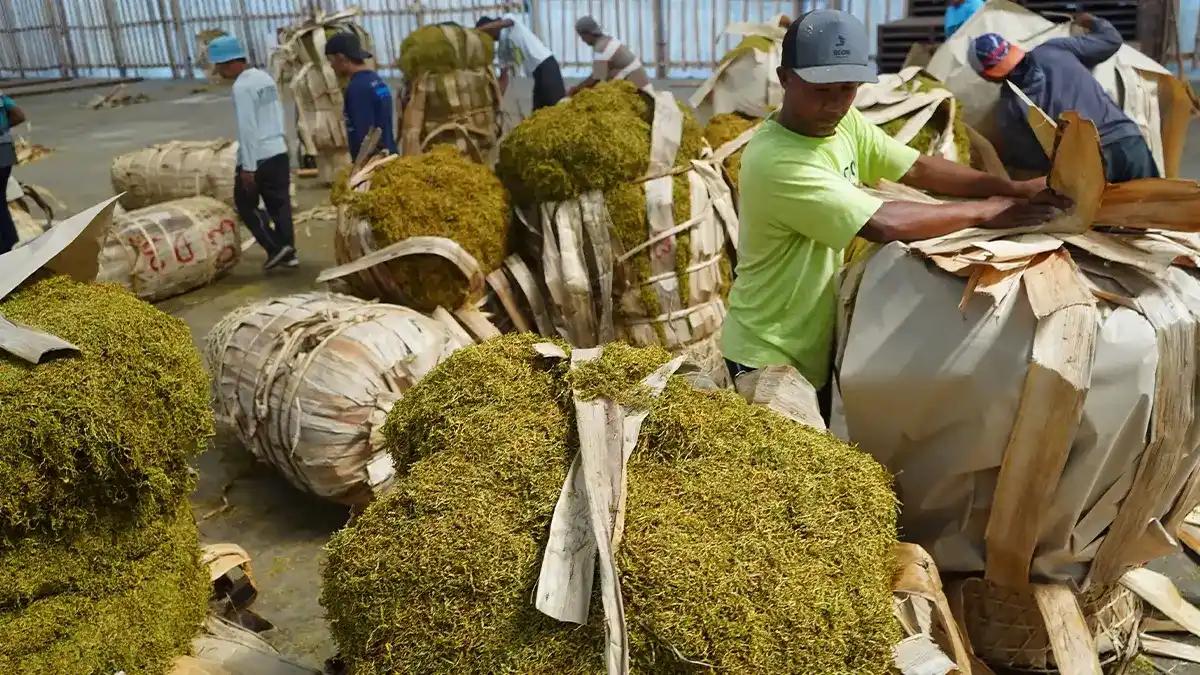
1056,76
369,104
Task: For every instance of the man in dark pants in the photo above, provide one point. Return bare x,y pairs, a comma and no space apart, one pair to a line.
1056,76
263,169
368,100
518,47
10,116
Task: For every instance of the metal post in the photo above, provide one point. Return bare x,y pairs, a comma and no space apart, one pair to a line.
660,41
181,39
114,34
59,30
166,31
250,51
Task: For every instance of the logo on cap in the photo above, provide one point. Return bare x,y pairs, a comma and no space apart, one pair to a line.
838,47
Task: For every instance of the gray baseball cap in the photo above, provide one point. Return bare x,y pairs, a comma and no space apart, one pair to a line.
827,46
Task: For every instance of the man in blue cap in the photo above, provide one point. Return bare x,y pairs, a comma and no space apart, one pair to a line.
368,100
1056,76
802,201
263,169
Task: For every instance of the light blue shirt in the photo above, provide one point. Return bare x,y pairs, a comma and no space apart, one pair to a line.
259,118
956,16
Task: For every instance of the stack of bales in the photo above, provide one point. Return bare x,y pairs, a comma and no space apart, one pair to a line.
750,544
451,93
444,216
307,380
99,561
613,159
300,64
167,249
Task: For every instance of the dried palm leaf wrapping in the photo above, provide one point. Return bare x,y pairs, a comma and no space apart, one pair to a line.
729,128
307,379
919,111
171,248
301,65
615,160
174,170
1061,363
452,93
745,82
751,543
449,214
98,553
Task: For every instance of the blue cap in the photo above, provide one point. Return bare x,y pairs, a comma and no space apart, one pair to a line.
224,49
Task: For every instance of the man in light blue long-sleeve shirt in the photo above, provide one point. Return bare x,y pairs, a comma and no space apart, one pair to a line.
263,169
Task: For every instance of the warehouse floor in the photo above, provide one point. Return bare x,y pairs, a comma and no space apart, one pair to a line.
237,500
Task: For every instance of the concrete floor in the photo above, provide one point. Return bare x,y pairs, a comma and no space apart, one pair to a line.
282,529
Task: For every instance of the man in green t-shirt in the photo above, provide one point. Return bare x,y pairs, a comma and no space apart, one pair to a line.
802,202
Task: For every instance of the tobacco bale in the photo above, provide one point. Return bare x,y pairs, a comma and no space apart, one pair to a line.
175,170
724,128
928,135
430,50
113,428
750,43
137,608
600,140
439,194
751,543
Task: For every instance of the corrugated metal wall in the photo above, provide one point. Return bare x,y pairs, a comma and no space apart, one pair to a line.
157,38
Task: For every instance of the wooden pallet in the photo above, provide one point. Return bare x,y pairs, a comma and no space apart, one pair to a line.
894,39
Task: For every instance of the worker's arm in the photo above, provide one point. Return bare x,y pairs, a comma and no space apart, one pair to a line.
360,114
912,221
586,84
499,24
16,116
941,176
504,79
1096,46
245,106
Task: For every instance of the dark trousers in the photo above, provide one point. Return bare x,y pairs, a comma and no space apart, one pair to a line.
548,87
1128,159
272,181
8,229
824,394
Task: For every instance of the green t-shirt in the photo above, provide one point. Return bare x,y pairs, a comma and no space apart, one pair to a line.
801,204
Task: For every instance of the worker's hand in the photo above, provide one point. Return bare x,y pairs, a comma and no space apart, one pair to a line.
1019,213
1085,20
1027,189
247,178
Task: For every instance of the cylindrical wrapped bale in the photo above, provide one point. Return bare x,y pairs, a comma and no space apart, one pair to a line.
632,233
452,93
916,109
175,170
171,248
750,543
450,214
744,82
306,380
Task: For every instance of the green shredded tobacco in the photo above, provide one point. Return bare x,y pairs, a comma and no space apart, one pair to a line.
724,128
610,375
112,429
600,140
440,194
138,612
442,49
928,135
751,543
750,43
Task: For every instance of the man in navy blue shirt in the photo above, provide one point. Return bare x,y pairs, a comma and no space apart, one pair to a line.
1056,76
368,100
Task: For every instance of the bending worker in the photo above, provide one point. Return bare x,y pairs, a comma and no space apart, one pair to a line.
368,100
518,47
1056,76
11,115
613,60
802,202
263,169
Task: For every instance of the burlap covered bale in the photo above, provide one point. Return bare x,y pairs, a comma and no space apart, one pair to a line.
750,544
451,92
171,248
99,561
175,170
75,430
300,66
307,380
409,200
615,160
